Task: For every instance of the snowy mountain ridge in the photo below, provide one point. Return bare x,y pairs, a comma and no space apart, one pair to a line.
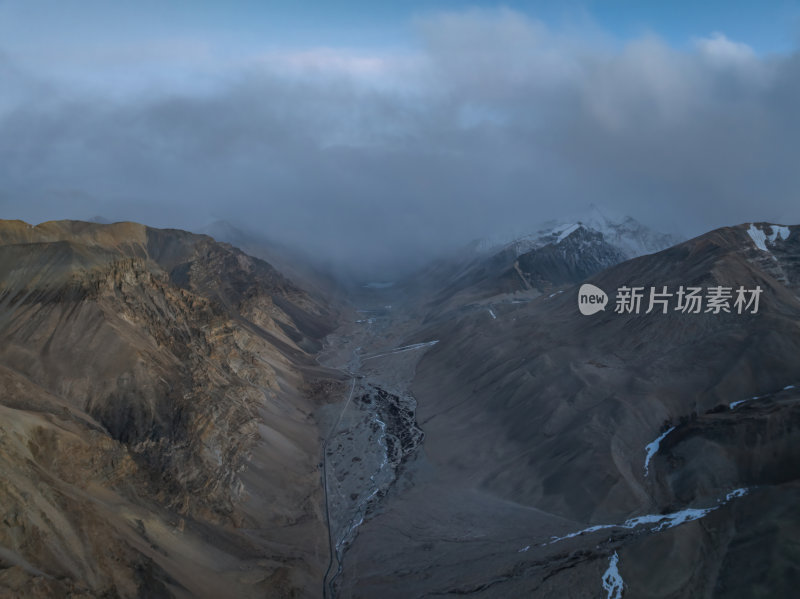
628,235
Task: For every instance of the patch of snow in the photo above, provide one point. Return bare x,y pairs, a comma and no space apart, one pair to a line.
778,232
652,449
758,237
664,521
735,494
733,404
492,314
524,549
678,518
612,581
581,532
560,228
567,232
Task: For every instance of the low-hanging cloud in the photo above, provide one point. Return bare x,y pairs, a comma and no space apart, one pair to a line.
493,123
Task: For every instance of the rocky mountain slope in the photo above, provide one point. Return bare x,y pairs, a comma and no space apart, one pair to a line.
158,438
569,455
315,276
558,254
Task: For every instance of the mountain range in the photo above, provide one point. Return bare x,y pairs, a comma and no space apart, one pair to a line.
185,416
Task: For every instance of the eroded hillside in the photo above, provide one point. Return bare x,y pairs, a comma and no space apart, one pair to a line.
157,438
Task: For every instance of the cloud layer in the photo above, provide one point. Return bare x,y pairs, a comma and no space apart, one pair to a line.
492,123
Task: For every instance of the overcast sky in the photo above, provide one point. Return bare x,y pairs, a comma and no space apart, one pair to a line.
376,134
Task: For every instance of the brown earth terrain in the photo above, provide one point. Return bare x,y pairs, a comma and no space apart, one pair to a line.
158,437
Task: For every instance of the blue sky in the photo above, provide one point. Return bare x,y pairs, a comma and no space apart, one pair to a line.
766,26
126,46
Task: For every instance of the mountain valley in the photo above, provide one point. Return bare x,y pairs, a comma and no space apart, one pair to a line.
181,419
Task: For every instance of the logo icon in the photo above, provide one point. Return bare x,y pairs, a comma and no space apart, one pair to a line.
591,299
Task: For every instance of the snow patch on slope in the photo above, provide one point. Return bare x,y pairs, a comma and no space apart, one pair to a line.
760,238
612,581
663,521
779,232
733,404
570,229
652,449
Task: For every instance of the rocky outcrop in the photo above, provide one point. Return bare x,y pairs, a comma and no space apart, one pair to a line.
578,256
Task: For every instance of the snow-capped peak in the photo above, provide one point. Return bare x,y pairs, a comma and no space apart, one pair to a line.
627,234
568,230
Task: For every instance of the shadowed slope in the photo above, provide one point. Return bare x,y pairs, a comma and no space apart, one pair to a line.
536,423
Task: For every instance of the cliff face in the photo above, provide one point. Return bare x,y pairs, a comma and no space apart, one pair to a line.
157,438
